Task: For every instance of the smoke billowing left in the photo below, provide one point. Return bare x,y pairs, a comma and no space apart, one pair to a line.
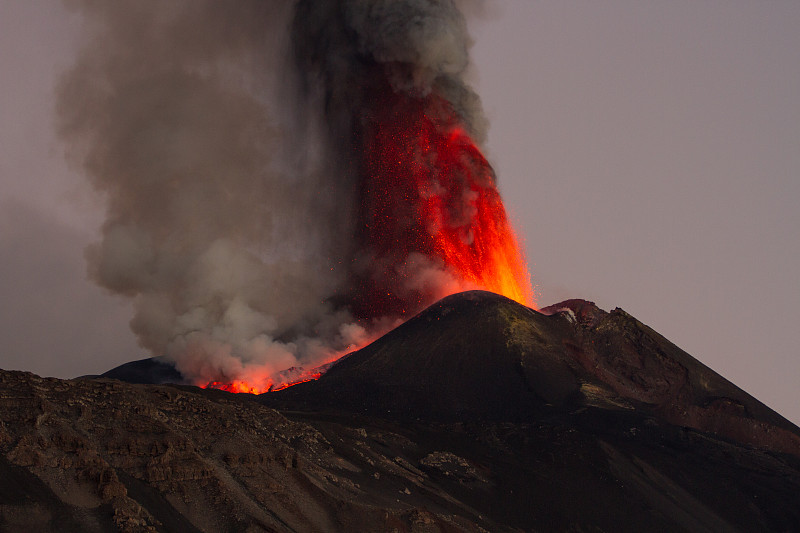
250,154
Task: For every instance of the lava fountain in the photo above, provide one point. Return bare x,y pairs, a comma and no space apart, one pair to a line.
429,202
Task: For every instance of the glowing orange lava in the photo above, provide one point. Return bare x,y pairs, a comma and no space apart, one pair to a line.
240,386
257,382
236,386
427,189
484,251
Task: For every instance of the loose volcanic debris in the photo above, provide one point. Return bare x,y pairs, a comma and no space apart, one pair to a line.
94,455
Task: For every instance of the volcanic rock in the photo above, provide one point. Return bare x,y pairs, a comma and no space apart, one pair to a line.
480,356
477,415
150,371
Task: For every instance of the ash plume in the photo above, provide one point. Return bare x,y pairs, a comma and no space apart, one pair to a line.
222,137
404,127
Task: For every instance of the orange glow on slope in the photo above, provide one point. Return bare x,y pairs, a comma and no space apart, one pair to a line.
236,386
241,386
255,381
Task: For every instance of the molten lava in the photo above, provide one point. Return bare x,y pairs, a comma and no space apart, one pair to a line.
236,386
240,386
429,203
258,382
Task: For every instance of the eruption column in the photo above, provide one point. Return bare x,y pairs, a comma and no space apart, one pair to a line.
257,239
403,130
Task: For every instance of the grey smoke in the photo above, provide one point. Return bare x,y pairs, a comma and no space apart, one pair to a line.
229,214
359,59
417,44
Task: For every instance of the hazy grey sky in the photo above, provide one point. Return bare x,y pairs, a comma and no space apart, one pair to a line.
649,153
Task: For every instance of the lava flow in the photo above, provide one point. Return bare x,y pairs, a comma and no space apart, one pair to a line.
240,386
259,383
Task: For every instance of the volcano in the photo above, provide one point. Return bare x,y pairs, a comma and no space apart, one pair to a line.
480,356
478,414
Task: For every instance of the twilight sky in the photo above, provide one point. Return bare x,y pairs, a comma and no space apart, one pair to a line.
649,154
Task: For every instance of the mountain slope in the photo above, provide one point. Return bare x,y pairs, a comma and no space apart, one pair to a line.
477,415
480,356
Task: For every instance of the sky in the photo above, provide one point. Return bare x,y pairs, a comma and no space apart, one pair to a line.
648,153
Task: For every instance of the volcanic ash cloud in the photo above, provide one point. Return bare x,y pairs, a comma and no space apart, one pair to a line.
250,155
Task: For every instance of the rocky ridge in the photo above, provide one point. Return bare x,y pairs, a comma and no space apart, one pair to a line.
477,415
100,455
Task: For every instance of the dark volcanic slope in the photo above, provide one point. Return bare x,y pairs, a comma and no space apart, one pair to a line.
455,361
480,356
101,455
150,371
477,415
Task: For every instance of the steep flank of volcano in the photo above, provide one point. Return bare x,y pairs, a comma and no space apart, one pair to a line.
479,414
458,359
480,356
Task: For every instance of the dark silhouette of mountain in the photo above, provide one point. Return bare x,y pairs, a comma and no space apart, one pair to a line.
150,371
477,415
480,356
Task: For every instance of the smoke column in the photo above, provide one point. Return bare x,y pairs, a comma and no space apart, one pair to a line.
428,218
282,180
